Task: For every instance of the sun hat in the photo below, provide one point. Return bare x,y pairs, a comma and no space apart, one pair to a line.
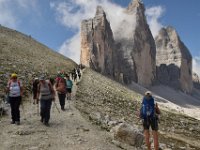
148,93
14,75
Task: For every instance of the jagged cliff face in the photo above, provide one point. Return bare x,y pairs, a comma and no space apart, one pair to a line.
97,43
196,80
131,57
173,60
138,49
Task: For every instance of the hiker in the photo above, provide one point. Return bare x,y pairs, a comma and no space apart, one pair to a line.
149,117
69,87
52,80
61,90
79,73
15,91
75,75
34,90
46,95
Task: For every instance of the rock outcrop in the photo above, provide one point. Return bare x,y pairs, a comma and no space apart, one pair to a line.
173,60
196,80
136,52
97,43
128,134
131,57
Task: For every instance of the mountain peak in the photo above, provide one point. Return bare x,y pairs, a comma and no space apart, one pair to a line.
100,11
134,5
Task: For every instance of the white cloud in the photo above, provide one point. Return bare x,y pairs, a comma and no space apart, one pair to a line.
72,47
26,4
196,65
7,18
11,11
72,12
153,15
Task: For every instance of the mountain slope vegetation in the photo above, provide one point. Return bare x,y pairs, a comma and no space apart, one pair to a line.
97,94
22,54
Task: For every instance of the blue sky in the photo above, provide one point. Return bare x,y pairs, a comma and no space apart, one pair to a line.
56,23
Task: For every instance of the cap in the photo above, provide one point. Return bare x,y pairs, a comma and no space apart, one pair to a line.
148,93
62,75
14,75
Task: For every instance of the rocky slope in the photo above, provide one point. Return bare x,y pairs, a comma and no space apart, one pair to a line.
22,54
101,97
173,60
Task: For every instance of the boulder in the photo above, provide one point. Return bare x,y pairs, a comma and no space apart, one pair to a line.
126,133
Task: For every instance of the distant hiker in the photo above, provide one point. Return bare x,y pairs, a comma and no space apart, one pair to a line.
52,80
15,92
34,90
75,75
79,73
46,95
61,90
148,115
69,87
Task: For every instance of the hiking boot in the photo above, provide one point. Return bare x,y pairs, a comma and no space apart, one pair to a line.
17,123
42,119
46,124
63,108
12,122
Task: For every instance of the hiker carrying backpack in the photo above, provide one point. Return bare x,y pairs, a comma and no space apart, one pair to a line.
15,91
148,113
46,95
61,90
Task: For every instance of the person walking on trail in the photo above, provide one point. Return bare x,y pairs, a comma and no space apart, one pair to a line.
46,95
148,113
34,90
79,73
61,90
15,91
69,84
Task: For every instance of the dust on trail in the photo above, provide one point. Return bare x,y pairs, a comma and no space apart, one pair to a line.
68,131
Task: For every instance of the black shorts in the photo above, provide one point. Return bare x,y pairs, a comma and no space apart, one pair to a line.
153,122
69,90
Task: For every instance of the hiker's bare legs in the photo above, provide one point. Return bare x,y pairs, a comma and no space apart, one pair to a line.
155,139
147,137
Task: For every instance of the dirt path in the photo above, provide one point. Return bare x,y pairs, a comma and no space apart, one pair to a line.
68,131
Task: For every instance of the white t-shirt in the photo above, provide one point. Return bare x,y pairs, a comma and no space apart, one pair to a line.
14,88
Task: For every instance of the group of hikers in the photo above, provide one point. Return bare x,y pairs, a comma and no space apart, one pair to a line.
44,91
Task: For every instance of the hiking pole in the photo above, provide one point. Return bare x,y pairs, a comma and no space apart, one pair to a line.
56,106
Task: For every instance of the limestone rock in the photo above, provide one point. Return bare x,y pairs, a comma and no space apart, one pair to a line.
97,43
173,60
136,51
196,80
128,134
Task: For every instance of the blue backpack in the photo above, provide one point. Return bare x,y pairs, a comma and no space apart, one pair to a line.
147,109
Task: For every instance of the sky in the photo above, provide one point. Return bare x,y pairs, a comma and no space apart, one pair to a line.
56,23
